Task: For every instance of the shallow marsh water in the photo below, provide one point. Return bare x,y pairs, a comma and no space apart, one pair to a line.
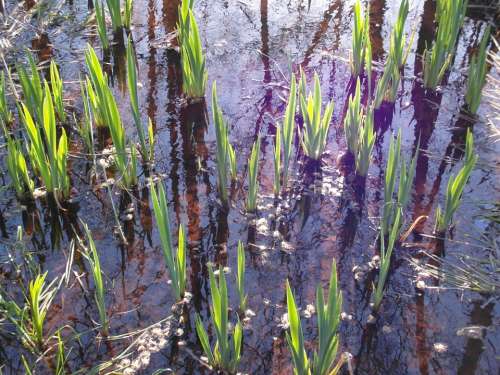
251,47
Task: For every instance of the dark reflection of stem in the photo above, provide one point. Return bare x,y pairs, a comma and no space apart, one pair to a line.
152,76
119,66
193,127
481,315
170,14
422,350
377,12
145,214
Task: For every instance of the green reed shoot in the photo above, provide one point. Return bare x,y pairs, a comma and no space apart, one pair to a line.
61,357
289,128
231,154
368,66
302,84
406,175
323,359
6,116
128,13
226,353
115,13
366,142
455,187
477,75
56,84
253,171
450,16
315,130
100,17
134,99
18,170
194,74
39,299
277,162
50,165
359,39
85,129
106,109
398,39
27,367
99,288
240,277
176,263
385,258
353,120
223,147
31,85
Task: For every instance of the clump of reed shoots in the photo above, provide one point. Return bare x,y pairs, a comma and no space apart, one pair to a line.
315,131
450,16
50,165
194,74
353,120
388,84
359,39
176,262
31,85
240,277
99,289
183,24
455,187
398,39
253,171
6,116
226,352
385,258
106,110
406,174
100,17
366,142
288,128
56,84
224,148
323,360
477,75
18,170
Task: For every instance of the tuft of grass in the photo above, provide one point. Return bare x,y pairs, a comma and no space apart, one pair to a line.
450,16
100,17
477,75
50,165
353,120
224,148
314,133
277,162
240,277
366,142
385,258
115,13
359,38
56,84
183,24
253,171
323,360
388,84
99,289
194,74
18,170
226,353
406,174
6,116
455,187
289,128
176,263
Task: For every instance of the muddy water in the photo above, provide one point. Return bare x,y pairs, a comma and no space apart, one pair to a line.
251,48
